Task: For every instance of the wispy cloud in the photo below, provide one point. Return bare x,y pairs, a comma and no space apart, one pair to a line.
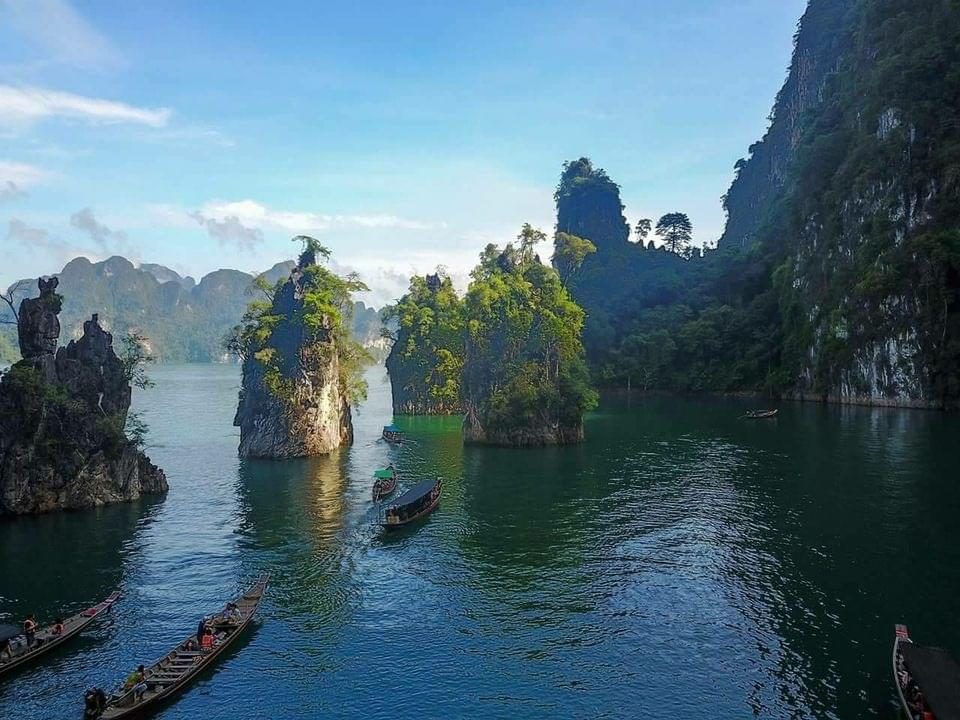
58,33
16,178
256,214
9,190
230,231
107,240
28,104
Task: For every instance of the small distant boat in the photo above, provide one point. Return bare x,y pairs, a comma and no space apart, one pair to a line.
392,434
927,679
760,414
174,670
384,483
417,502
46,638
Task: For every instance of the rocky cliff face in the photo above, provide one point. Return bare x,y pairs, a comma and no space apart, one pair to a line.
292,402
544,430
62,414
823,36
854,197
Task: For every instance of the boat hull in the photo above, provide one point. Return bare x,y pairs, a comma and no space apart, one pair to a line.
413,518
114,712
72,627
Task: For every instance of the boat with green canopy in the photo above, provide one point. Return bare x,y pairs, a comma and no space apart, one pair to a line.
384,482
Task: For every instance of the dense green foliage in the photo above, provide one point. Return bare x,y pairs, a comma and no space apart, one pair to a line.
426,360
838,274
298,321
524,360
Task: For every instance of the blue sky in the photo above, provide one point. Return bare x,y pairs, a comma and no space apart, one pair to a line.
404,135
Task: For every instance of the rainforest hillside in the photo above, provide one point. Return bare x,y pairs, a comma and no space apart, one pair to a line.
183,320
837,276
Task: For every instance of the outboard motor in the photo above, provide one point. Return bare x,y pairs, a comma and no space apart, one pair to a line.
94,703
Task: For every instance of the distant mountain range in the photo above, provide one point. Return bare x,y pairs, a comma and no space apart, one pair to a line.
184,320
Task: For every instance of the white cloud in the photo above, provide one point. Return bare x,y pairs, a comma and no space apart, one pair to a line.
20,175
57,32
23,105
256,214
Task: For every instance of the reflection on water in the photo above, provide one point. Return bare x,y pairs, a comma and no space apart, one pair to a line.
680,563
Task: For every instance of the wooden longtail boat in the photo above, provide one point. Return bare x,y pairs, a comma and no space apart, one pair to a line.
385,482
392,434
417,502
927,679
46,639
760,414
174,670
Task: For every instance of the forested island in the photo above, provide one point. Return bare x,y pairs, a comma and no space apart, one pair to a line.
508,355
301,367
426,355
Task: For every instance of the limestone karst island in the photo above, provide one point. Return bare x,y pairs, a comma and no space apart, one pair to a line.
501,360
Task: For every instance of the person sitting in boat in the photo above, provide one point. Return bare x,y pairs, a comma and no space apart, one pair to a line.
232,614
94,703
207,641
57,630
30,629
137,681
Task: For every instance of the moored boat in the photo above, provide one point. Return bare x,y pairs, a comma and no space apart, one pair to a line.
173,671
14,654
384,483
760,414
417,502
392,434
927,679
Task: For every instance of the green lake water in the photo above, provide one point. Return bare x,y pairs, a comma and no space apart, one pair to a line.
681,563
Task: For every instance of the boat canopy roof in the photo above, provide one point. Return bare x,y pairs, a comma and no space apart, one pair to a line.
414,494
383,474
391,428
938,676
8,632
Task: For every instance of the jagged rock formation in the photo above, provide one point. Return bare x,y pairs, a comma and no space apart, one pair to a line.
822,38
62,414
293,401
426,358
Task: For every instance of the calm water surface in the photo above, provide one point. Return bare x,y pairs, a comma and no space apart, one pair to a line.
679,564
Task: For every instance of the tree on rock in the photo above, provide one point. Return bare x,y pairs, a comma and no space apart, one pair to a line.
676,230
569,252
